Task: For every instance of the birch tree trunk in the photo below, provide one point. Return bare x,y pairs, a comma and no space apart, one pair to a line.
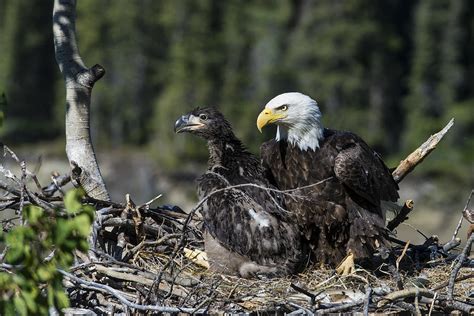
79,81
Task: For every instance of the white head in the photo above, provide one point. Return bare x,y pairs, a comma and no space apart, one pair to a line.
298,119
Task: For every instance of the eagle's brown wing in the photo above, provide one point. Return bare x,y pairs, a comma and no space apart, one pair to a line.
364,173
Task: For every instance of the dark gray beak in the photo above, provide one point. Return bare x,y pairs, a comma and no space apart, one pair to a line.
181,124
187,123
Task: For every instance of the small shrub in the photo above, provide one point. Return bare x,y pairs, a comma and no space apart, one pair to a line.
33,284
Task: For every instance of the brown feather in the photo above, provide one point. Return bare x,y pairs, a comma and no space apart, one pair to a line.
247,230
343,213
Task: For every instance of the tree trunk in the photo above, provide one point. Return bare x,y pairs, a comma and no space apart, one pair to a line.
79,82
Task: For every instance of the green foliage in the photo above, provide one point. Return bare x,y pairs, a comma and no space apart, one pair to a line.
35,284
27,70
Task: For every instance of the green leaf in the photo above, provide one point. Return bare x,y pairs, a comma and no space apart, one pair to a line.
5,280
50,295
83,225
72,200
32,213
62,232
15,240
69,245
90,211
14,255
20,306
30,298
61,298
45,273
9,309
83,245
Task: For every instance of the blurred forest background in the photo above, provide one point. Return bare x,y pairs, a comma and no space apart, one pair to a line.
392,71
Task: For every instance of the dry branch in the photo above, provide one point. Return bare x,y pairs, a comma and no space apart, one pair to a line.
411,292
120,296
401,216
460,260
408,164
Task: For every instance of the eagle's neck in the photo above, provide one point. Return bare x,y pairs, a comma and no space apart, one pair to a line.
306,135
223,150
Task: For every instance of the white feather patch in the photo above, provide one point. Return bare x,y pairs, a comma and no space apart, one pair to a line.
261,220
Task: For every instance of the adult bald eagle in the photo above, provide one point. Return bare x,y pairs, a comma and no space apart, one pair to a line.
247,232
342,216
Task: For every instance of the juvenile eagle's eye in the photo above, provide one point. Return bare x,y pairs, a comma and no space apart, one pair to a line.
282,108
203,117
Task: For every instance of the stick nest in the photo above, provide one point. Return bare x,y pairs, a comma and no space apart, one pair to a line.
148,260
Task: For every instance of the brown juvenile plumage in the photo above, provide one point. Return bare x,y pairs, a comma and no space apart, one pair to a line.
247,231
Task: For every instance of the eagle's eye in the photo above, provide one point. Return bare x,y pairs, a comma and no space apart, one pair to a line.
282,108
203,117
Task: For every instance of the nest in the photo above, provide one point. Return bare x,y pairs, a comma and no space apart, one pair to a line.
165,272
151,260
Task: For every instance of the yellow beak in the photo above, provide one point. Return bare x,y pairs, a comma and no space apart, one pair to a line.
267,116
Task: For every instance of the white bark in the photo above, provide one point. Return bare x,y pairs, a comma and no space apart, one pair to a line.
79,81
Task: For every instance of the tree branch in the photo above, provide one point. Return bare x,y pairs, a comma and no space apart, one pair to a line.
401,216
79,81
408,164
119,295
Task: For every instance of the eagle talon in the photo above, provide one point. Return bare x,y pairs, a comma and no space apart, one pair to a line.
347,265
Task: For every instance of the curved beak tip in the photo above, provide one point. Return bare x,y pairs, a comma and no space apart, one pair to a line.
180,124
262,119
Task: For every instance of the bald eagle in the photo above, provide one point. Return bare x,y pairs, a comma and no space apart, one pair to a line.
247,231
341,216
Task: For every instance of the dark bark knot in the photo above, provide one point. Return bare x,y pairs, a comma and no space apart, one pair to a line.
90,76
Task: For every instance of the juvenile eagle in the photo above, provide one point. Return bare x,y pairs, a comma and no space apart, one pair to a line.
341,216
247,231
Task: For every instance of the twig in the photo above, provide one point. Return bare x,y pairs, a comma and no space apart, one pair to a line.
147,204
57,182
408,164
411,292
288,192
136,278
401,216
458,227
178,247
417,306
94,236
340,308
367,300
123,300
451,305
137,218
144,243
461,278
23,189
396,275
305,292
460,260
432,304
402,255
453,243
304,311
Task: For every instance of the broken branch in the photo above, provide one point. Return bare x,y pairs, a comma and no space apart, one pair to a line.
408,164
